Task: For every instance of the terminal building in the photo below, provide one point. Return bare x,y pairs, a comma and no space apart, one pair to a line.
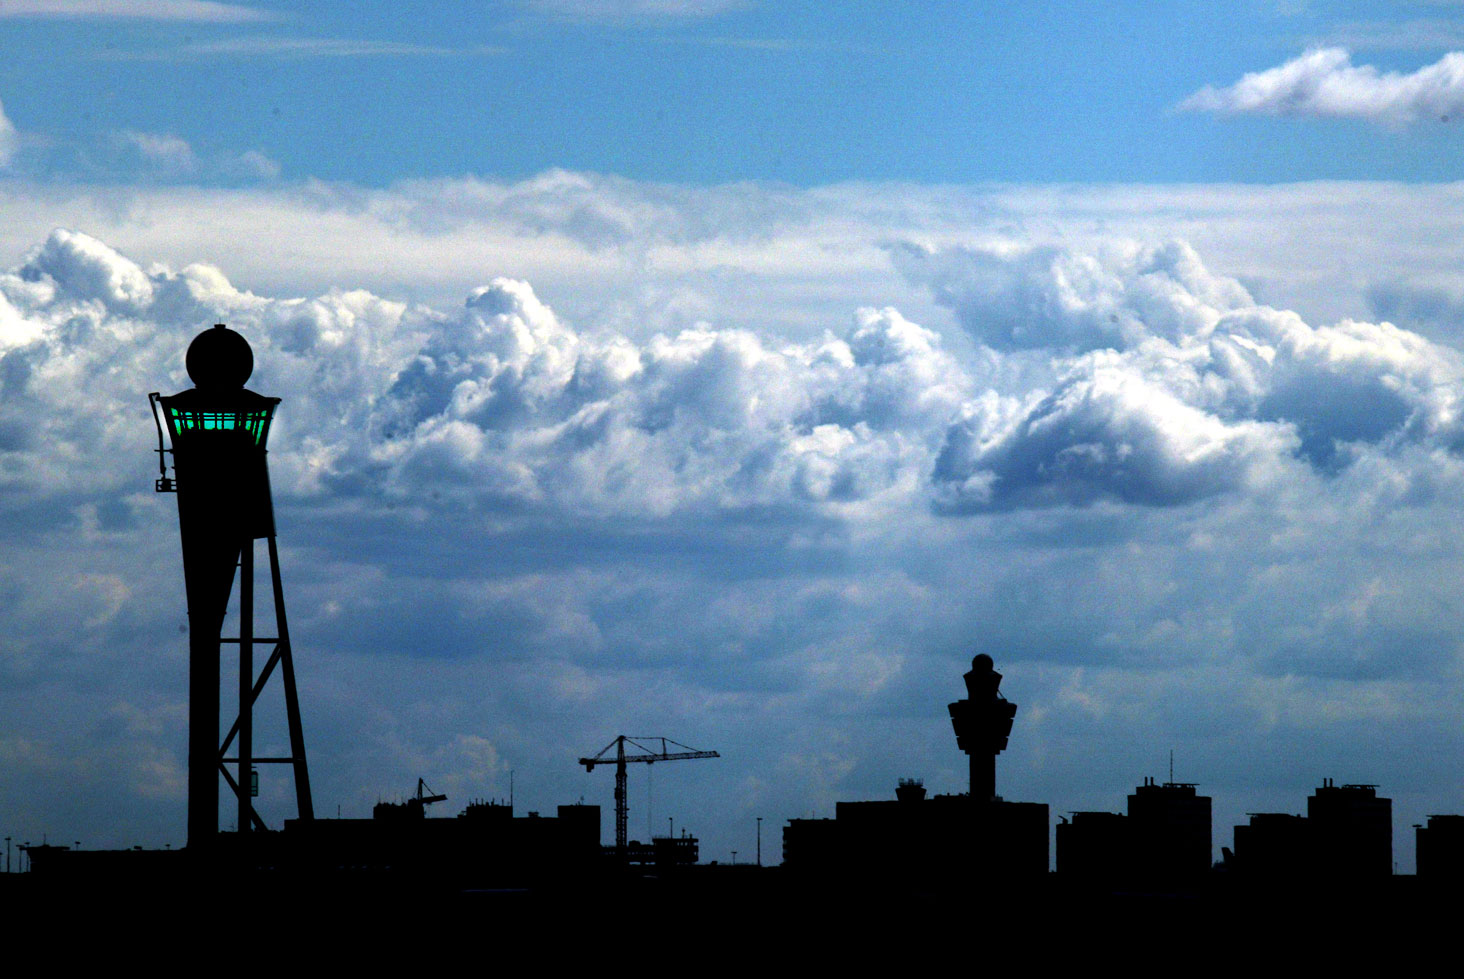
919,837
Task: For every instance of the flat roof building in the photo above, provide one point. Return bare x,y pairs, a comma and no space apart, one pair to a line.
1169,825
1352,830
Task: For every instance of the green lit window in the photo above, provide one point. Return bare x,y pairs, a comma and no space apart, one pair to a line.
256,423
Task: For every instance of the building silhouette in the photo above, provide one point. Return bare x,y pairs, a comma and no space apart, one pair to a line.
1441,849
1093,846
1164,837
1170,827
1352,830
1273,844
485,844
976,835
921,838
1347,833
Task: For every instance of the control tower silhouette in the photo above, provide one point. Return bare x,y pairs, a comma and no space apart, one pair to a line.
218,430
983,722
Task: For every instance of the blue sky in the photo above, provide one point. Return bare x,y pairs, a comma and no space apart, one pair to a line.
806,93
735,371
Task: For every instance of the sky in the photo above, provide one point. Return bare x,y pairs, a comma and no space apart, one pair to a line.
735,372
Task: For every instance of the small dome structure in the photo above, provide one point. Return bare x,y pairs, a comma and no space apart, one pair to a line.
219,359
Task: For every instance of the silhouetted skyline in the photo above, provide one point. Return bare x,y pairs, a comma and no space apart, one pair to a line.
750,409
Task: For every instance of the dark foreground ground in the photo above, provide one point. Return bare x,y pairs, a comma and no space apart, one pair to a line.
730,919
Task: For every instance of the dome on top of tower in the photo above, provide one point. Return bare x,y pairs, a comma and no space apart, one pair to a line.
219,359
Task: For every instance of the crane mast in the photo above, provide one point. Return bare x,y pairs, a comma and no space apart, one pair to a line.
647,756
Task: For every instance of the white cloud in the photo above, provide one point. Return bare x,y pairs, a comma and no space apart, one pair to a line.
82,270
8,138
653,257
203,11
168,153
1106,432
1015,297
503,404
1323,83
170,157
500,401
1169,383
1174,532
251,164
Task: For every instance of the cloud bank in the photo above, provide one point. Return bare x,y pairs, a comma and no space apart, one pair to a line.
1135,376
1323,83
522,519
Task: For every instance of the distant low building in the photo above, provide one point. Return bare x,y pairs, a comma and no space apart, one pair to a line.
1093,846
1273,844
1347,833
917,837
1441,848
485,844
1164,837
1169,824
1352,830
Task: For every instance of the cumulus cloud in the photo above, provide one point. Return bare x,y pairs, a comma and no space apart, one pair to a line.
505,400
501,400
1133,375
1323,83
1015,297
1106,432
1170,384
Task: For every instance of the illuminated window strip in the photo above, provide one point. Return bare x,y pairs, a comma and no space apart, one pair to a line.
256,423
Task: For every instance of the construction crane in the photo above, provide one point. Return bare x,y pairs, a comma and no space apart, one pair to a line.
425,796
620,759
415,806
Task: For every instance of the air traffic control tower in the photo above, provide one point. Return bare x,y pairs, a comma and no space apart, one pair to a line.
983,723
218,430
